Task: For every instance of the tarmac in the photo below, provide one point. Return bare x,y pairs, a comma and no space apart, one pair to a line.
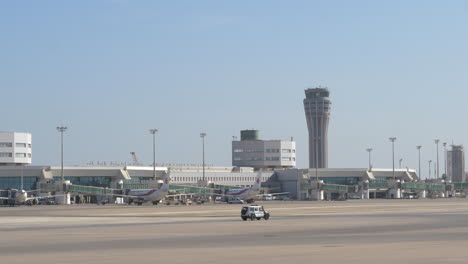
357,231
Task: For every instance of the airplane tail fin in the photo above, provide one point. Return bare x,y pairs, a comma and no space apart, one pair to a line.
166,180
258,181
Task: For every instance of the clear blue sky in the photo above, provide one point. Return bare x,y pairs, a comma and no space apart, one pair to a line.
110,70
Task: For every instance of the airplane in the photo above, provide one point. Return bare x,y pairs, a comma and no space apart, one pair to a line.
247,194
19,197
140,196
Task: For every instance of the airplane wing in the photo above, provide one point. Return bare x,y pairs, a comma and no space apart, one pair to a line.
4,198
42,197
174,195
112,194
265,194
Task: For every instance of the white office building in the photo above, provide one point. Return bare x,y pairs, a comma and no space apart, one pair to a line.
15,148
250,151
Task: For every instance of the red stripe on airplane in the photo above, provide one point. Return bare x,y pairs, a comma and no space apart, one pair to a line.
146,194
240,192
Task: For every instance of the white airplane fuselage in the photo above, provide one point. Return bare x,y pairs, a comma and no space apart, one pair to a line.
21,197
17,197
244,194
140,196
148,195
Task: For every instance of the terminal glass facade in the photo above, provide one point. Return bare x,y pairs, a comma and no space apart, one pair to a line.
96,181
137,183
340,180
29,183
380,179
137,180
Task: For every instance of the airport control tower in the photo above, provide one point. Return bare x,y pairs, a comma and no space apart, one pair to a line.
317,111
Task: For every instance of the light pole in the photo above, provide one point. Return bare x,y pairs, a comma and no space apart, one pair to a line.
154,131
61,129
445,159
392,139
419,161
430,161
370,164
401,159
437,148
203,135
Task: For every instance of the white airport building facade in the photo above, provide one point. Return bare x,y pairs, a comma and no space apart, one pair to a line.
250,151
15,148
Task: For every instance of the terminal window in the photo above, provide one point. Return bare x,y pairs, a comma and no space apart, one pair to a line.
29,183
6,145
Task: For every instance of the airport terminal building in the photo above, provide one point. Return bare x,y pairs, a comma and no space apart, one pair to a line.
298,183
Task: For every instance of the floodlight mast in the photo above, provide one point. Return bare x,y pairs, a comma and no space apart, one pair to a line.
61,129
392,139
370,164
154,131
203,135
419,161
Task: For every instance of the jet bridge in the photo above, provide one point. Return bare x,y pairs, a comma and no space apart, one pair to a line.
323,190
93,190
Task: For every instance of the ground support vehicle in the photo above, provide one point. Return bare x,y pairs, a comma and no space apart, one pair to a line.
253,212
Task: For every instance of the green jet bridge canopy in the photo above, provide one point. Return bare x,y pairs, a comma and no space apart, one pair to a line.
424,186
191,189
334,187
178,188
92,190
133,186
225,187
460,185
378,185
325,186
